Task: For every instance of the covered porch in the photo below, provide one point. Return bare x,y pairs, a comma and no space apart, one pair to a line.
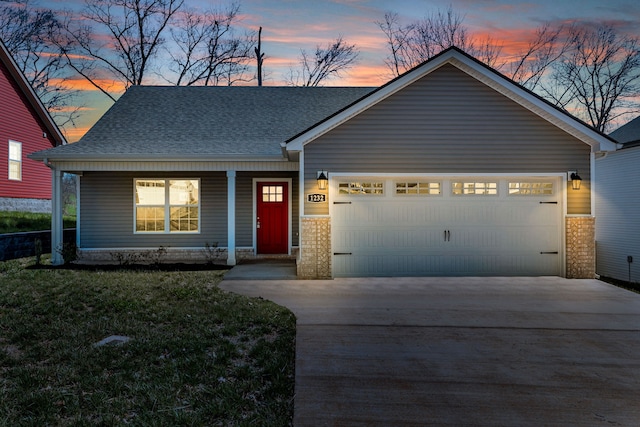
230,205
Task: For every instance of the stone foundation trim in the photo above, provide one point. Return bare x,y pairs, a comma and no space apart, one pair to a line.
581,247
8,204
314,261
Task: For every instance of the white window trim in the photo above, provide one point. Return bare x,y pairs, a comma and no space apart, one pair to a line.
167,207
11,160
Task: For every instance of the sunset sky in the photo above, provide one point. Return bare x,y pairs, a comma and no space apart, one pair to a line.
291,25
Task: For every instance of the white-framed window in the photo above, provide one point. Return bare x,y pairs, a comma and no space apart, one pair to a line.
369,187
530,188
418,188
475,188
15,160
167,205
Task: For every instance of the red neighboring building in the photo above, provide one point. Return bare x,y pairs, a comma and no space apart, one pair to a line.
25,127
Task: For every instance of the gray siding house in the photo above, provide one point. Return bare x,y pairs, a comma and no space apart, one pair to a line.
449,169
618,207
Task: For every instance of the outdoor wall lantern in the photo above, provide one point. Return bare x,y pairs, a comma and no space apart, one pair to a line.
575,180
323,180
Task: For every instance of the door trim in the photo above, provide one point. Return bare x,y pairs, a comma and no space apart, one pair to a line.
255,210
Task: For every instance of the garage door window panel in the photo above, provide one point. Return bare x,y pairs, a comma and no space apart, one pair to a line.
418,188
531,188
361,188
466,188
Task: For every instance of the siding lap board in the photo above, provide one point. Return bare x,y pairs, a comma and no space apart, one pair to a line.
107,212
448,122
617,207
20,123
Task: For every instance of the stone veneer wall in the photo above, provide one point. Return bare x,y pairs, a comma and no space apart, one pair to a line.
315,249
581,247
8,204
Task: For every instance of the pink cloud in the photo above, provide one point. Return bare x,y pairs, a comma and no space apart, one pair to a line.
82,84
74,134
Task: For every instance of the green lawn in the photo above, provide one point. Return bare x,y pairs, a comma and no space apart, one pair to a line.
15,222
197,355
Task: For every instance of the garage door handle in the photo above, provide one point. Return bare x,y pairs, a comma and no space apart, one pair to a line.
548,203
549,253
447,235
341,203
342,253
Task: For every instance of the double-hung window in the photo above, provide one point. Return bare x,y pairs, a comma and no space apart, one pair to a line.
15,160
167,205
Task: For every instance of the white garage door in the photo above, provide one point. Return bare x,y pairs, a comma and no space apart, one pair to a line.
446,227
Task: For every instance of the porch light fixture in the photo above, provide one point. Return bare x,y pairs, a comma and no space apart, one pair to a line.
322,180
575,180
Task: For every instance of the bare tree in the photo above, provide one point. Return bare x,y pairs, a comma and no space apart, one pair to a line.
125,37
324,64
399,44
29,33
440,31
410,45
208,51
592,72
532,63
259,57
598,76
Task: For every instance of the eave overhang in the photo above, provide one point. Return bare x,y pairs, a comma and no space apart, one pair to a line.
79,164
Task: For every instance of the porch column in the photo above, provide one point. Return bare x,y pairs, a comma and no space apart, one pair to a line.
78,210
56,217
231,217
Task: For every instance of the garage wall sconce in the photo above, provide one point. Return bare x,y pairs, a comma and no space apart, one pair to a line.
323,180
575,179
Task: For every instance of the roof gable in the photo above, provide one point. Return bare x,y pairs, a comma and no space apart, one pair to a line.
480,72
33,100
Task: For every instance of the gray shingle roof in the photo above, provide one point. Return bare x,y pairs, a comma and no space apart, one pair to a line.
206,122
627,133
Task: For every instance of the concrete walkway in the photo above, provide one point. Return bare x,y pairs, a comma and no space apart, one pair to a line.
461,351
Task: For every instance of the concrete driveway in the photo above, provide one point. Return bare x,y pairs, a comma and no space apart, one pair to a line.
461,351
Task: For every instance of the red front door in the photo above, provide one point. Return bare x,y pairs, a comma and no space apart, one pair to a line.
272,221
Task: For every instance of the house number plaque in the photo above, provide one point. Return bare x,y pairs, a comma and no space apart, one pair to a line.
316,198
